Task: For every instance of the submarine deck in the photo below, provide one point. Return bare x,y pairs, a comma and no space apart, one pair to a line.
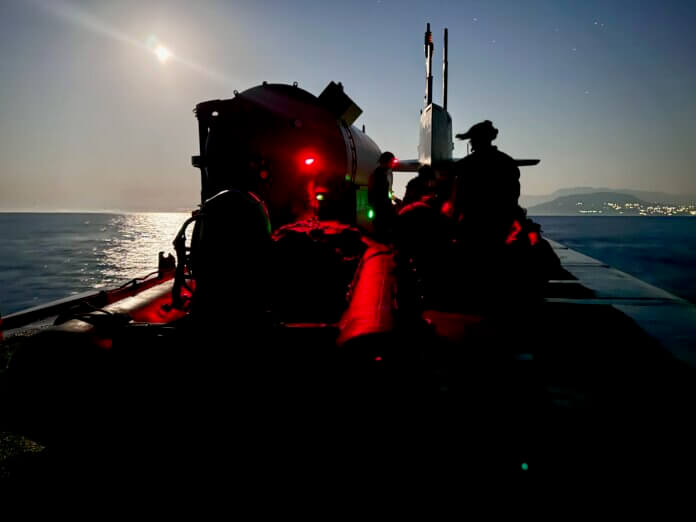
669,319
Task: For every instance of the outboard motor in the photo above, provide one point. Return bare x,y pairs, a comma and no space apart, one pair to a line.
230,252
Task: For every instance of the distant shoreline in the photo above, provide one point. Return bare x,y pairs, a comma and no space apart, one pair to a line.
128,212
611,216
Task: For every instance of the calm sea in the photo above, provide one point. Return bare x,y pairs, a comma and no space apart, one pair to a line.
658,250
50,256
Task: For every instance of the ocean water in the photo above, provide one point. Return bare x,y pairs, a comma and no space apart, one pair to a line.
50,256
658,250
44,257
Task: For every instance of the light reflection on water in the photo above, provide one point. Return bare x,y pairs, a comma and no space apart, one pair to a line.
49,256
132,252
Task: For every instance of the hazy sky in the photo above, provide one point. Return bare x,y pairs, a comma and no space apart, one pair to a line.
604,92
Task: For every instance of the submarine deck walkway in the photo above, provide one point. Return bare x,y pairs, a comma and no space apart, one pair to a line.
669,319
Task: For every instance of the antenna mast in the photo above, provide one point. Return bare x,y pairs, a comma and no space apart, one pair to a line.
444,73
428,66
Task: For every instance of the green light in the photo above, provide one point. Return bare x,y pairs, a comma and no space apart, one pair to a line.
525,466
347,177
391,195
370,214
320,197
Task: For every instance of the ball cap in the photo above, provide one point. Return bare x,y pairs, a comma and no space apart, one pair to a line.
482,130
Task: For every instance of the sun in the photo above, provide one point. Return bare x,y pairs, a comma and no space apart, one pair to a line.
163,54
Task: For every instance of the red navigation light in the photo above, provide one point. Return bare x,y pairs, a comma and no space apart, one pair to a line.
394,162
309,161
533,238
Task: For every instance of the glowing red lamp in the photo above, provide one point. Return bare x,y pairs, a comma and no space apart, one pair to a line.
516,229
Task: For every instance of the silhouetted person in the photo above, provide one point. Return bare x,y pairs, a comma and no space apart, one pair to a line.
423,237
420,186
487,187
379,188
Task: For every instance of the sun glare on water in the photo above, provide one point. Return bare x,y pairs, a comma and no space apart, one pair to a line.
163,54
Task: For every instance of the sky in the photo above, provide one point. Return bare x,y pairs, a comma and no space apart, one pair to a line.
603,92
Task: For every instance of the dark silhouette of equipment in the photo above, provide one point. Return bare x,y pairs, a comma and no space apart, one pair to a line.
231,261
278,141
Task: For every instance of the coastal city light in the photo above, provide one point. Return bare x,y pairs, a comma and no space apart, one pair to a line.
612,208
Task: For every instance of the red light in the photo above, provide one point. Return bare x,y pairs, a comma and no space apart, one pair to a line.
309,161
104,343
533,238
394,162
516,228
378,358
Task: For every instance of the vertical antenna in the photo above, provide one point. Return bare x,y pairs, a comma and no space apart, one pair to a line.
444,73
428,66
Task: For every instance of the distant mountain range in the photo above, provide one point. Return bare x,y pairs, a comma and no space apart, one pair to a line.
528,201
612,203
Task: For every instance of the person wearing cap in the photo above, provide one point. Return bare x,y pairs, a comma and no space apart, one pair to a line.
379,187
487,186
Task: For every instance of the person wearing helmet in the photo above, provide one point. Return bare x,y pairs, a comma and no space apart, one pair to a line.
487,186
379,187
